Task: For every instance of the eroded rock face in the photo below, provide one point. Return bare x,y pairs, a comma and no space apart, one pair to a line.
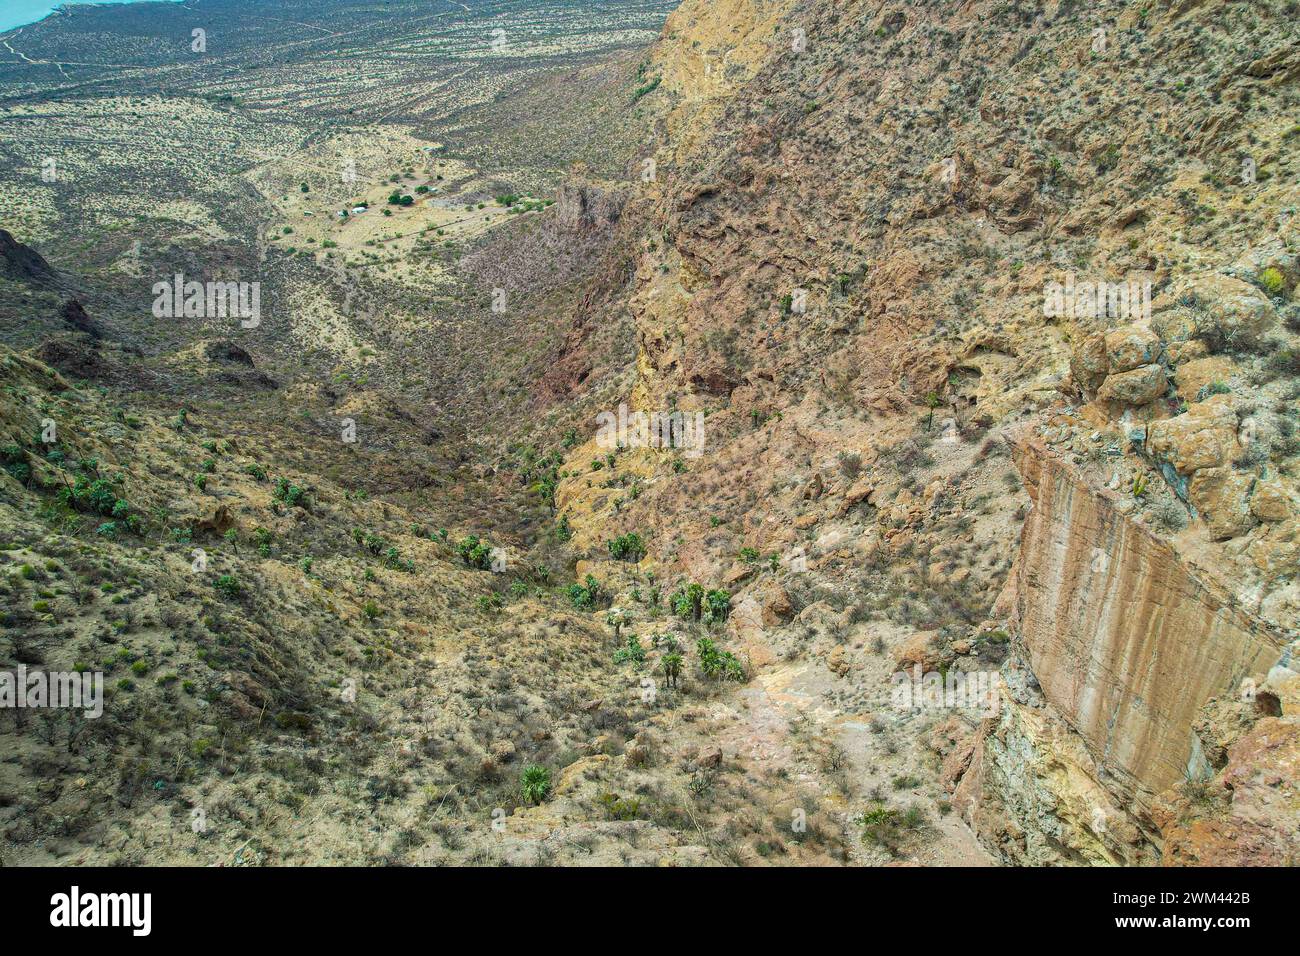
1124,643
1247,816
1033,793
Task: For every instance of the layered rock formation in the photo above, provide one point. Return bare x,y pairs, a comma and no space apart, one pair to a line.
1123,643
1125,639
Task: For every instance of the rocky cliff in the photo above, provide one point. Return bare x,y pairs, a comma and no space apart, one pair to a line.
1069,226
1122,642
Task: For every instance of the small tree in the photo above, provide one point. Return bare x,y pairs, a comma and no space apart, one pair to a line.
931,402
632,651
672,665
717,606
617,620
718,664
688,602
627,547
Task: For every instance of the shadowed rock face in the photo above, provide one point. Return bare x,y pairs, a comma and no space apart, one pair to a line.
18,261
74,314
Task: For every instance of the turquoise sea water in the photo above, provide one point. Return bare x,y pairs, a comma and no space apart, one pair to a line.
17,13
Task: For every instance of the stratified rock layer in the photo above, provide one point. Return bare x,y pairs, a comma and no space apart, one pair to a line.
1126,642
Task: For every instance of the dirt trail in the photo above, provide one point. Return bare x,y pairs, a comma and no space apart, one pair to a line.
865,743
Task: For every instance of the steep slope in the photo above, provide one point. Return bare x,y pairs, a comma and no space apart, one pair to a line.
849,243
295,671
938,561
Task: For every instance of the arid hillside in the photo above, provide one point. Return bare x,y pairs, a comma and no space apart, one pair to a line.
886,249
835,433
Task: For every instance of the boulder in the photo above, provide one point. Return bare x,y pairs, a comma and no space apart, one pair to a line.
1204,437
776,606
1201,373
737,573
1230,313
1274,501
920,649
1131,346
1089,364
1277,551
1222,496
1139,386
1175,324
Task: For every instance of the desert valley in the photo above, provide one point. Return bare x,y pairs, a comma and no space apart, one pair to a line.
726,432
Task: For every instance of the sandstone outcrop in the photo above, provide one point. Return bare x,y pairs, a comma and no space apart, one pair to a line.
1122,643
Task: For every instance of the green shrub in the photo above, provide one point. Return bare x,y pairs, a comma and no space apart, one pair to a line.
290,494
717,606
96,497
888,828
229,585
475,552
632,651
627,547
647,89
619,809
535,783
1272,281
394,561
718,664
584,596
